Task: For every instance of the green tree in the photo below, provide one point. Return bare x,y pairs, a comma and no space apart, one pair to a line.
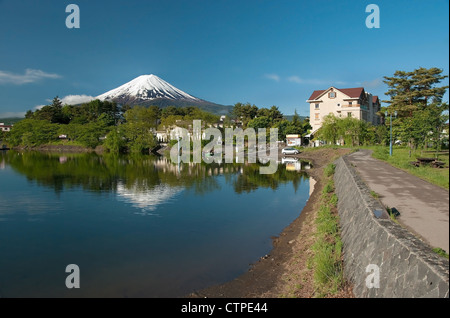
140,114
115,141
52,113
296,120
18,130
285,127
90,134
275,115
352,130
29,114
244,112
170,111
33,132
44,113
263,112
259,122
417,97
378,135
140,122
306,126
330,131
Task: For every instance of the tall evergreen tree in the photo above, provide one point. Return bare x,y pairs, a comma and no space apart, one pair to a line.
417,97
409,91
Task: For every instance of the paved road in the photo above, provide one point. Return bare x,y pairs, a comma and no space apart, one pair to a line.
423,207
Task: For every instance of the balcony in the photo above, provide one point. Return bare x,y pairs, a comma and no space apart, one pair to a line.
352,105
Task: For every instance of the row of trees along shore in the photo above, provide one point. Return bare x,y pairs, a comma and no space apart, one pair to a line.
415,97
131,129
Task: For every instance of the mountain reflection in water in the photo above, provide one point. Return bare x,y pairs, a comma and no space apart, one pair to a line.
137,226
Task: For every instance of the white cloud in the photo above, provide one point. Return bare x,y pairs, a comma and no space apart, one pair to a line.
375,83
12,114
30,76
295,79
69,100
299,80
76,99
273,77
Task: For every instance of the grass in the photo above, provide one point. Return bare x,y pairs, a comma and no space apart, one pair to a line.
327,260
401,160
329,187
329,170
374,194
440,252
392,215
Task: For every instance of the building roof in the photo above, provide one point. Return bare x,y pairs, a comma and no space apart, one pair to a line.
374,99
350,92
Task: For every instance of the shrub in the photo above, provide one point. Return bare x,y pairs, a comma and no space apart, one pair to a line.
329,170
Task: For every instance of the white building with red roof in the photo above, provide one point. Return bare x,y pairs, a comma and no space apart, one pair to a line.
343,102
4,127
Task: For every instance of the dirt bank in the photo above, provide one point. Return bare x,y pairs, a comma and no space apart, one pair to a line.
284,272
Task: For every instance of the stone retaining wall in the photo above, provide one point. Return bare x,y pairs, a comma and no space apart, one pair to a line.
376,247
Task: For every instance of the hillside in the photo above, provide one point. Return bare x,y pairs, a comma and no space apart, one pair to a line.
10,121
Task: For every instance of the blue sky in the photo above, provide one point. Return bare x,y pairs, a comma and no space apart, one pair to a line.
225,51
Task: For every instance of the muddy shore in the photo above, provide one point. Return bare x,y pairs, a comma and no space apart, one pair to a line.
284,271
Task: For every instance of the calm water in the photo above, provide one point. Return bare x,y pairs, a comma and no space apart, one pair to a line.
136,226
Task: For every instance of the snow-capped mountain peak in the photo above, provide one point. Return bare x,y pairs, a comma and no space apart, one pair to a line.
144,88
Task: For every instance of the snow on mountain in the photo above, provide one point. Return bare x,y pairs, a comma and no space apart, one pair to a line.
146,87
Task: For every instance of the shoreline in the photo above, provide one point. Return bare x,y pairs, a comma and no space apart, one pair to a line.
60,148
284,271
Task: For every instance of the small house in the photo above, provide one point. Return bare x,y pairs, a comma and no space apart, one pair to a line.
5,128
293,140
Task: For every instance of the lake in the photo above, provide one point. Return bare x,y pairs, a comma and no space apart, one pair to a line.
137,226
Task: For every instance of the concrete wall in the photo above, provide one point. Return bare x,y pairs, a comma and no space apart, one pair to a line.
373,243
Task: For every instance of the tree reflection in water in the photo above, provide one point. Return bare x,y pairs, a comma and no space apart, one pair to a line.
142,180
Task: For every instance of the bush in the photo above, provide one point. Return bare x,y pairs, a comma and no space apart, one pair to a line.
31,132
329,187
329,170
334,200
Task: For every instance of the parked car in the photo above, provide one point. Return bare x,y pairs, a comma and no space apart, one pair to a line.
289,151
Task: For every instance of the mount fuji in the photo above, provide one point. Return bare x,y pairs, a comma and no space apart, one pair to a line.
146,90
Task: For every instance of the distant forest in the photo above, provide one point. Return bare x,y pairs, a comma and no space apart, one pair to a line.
10,120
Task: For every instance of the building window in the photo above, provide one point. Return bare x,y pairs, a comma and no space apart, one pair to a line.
350,103
339,105
317,106
316,116
332,95
349,114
